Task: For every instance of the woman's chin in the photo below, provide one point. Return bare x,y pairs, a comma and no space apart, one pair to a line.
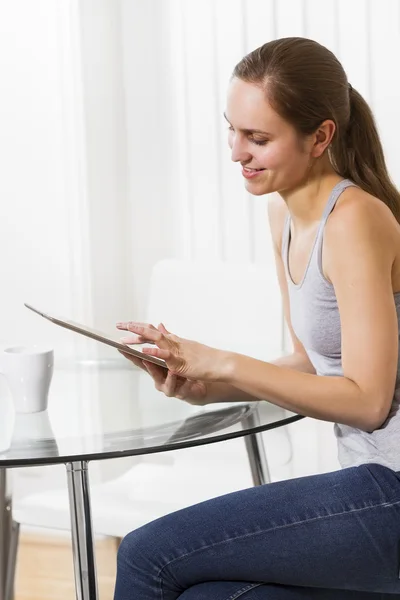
258,188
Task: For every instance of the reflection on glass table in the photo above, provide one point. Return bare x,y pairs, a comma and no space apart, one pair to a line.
111,410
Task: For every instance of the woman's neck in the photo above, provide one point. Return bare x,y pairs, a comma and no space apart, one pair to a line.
307,201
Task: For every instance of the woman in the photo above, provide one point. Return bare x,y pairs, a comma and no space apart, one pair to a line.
297,127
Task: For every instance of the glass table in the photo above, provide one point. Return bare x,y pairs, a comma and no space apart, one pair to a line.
105,410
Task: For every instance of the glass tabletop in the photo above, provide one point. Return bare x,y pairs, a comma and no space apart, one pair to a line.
108,409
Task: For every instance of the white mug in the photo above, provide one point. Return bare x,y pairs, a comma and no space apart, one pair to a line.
28,371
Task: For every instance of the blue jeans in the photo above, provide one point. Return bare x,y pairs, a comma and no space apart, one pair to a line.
333,536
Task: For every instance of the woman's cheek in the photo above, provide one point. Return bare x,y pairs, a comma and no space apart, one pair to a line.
270,158
277,155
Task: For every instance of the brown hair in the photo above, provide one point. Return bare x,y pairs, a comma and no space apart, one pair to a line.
307,85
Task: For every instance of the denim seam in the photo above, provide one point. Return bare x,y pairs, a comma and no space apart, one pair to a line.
242,591
385,504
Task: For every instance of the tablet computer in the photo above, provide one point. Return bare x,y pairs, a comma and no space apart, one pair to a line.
100,336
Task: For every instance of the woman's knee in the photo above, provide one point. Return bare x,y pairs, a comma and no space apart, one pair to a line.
146,546
127,551
134,544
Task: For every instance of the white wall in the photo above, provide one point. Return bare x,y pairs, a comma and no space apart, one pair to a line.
38,176
63,186
113,147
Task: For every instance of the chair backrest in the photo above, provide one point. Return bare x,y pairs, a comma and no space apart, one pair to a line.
232,306
227,305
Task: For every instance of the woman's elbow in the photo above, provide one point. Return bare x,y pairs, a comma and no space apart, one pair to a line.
377,414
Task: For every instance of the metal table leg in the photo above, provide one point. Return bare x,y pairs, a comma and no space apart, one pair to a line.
9,535
82,532
256,451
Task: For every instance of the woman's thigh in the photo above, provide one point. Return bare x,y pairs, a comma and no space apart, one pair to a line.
232,590
336,530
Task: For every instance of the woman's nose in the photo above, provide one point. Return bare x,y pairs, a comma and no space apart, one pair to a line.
239,151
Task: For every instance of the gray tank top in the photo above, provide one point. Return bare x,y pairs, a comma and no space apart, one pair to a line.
316,322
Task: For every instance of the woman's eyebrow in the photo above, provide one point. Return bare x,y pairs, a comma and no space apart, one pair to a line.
249,130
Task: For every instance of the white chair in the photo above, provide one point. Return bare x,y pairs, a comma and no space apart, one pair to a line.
232,306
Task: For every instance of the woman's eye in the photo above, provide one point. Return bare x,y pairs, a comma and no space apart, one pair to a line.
259,142
230,128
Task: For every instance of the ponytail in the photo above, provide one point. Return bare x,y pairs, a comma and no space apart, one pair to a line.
357,154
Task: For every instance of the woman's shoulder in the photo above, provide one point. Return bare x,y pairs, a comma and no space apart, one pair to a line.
357,210
361,223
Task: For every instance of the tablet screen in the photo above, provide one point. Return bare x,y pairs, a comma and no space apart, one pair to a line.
97,335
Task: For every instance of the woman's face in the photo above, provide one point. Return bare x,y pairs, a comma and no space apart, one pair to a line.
272,157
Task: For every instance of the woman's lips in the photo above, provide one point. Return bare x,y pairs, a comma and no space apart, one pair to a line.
251,173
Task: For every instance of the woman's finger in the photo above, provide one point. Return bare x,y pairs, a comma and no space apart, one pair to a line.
132,325
157,373
137,339
136,361
170,384
184,389
158,352
150,333
161,327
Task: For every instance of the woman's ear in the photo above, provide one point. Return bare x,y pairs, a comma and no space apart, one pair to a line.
323,137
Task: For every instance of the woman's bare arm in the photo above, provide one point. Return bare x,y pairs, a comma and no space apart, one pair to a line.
359,254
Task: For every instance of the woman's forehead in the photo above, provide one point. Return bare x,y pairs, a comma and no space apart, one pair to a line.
247,107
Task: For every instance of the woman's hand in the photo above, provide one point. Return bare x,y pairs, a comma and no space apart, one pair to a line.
184,358
173,386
